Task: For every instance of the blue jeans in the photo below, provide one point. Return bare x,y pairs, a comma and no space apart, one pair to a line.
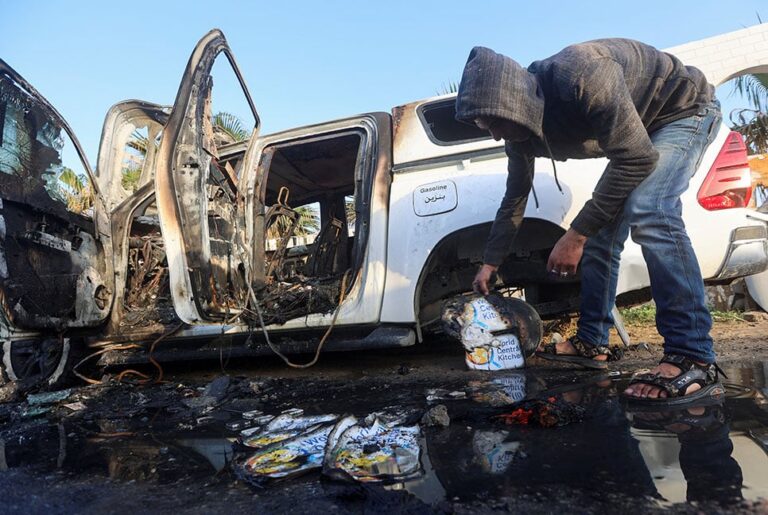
653,215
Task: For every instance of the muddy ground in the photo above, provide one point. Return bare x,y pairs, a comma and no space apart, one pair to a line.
127,448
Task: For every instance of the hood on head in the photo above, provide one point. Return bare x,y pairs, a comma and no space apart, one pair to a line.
495,85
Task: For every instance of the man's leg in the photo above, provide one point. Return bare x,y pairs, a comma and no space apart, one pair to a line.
654,213
599,275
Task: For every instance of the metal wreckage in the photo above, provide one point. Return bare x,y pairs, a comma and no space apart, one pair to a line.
84,254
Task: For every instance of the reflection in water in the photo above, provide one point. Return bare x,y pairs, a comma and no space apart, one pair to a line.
705,454
667,455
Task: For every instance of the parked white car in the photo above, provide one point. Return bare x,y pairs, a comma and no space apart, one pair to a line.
169,238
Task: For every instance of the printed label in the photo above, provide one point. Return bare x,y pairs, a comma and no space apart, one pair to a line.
435,198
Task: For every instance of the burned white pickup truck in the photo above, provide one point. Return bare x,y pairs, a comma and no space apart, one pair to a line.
187,235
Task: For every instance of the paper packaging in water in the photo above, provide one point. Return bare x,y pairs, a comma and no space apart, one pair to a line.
376,449
290,457
373,451
485,350
283,427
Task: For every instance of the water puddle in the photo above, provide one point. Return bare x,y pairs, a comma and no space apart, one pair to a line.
593,443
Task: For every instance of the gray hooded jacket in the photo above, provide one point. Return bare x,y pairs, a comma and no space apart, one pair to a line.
601,98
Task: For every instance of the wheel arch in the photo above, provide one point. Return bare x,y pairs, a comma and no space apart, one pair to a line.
452,263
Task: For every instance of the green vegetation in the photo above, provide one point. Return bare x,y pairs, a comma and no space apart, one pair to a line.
309,223
451,87
226,124
752,122
231,126
754,86
646,314
75,190
643,314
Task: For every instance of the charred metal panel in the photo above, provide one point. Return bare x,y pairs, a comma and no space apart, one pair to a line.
412,141
201,210
56,271
130,140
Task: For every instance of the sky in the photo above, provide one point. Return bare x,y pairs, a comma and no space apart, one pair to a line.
307,62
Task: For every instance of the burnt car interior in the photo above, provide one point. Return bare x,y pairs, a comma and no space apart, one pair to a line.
310,221
309,229
144,304
147,304
147,295
51,263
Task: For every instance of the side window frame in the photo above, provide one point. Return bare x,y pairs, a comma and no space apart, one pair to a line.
421,112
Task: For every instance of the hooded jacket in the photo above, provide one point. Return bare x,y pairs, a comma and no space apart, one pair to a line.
601,98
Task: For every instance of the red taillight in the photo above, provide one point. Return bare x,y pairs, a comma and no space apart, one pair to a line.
729,182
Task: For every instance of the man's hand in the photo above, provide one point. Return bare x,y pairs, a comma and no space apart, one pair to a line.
566,255
483,277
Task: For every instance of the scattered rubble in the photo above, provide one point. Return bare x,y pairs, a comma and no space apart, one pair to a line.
38,399
437,416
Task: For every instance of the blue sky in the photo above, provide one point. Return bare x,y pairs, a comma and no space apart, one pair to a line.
307,62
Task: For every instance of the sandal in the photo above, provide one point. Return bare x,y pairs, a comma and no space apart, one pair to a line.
584,356
706,376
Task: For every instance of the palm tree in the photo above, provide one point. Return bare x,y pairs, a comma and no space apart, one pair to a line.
752,123
229,127
76,190
450,87
754,86
309,223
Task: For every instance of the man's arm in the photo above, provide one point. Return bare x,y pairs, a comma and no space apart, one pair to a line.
508,217
610,111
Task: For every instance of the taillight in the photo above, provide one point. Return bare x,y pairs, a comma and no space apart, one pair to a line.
729,182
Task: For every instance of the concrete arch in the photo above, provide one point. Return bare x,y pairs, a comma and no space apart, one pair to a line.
729,55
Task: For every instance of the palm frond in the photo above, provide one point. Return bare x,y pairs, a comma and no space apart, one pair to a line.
230,125
309,223
75,190
139,142
753,86
450,87
753,125
71,180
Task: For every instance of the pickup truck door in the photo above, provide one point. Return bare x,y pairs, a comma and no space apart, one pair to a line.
205,216
56,269
130,140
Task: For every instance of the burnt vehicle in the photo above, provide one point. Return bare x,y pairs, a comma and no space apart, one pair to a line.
189,240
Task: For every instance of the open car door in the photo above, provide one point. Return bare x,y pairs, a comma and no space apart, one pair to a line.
205,216
55,248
